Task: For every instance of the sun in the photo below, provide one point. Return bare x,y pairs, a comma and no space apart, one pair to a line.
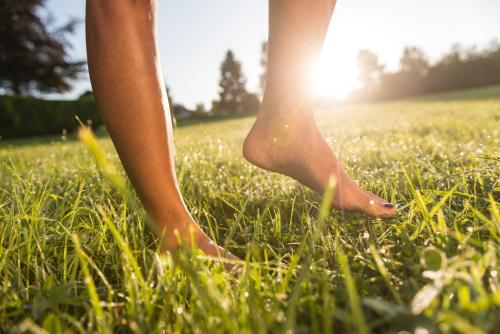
335,76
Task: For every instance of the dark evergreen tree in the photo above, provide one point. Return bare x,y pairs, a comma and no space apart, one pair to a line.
232,86
33,56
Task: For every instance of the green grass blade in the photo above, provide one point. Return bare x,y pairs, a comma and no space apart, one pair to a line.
92,290
354,301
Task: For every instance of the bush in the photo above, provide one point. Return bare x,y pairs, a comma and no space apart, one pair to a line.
28,116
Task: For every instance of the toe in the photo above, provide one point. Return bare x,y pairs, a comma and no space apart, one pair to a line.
213,250
379,207
376,207
230,262
386,210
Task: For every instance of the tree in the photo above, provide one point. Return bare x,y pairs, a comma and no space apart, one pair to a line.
171,106
251,103
456,55
200,111
370,69
32,57
414,61
410,79
232,86
263,64
88,94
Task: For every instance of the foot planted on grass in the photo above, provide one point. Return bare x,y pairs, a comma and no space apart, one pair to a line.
190,234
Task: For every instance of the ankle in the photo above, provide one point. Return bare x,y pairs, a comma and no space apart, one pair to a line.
287,94
289,101
295,81
286,115
172,218
187,232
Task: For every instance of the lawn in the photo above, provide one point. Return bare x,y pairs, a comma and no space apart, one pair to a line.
77,255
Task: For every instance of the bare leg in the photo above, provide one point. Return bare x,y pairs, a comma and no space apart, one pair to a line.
125,75
285,137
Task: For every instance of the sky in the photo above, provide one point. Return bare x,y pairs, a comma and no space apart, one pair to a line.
194,36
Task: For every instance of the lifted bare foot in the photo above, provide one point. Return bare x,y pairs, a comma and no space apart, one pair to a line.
285,139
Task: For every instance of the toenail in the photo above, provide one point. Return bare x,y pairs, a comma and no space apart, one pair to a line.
389,206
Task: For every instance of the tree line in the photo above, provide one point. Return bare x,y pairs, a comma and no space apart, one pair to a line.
460,68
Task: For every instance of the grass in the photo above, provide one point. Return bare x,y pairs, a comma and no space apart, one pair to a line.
77,255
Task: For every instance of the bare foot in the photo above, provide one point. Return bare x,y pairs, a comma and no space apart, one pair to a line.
191,234
287,141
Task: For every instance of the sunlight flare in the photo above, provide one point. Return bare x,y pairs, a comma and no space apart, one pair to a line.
336,73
